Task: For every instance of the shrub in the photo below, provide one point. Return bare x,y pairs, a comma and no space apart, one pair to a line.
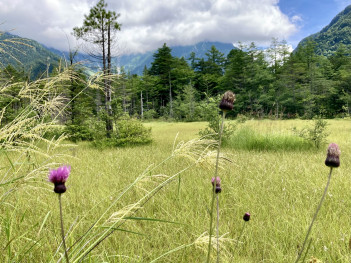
78,133
131,132
316,134
214,125
127,132
211,114
150,114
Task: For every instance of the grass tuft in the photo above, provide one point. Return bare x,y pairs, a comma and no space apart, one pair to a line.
248,139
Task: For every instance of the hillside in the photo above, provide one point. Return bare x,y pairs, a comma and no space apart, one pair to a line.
338,32
26,54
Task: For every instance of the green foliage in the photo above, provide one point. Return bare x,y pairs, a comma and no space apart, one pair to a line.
150,114
78,133
214,118
127,132
316,134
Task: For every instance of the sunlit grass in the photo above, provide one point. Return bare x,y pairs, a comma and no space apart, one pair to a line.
280,188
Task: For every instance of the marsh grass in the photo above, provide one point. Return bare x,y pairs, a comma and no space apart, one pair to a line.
281,189
248,137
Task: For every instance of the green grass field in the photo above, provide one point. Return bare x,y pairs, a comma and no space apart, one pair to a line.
280,186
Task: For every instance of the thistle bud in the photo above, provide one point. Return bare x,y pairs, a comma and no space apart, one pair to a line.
247,217
227,101
333,154
218,189
216,182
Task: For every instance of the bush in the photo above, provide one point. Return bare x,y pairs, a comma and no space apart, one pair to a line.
78,133
131,132
127,132
316,134
211,114
214,126
150,114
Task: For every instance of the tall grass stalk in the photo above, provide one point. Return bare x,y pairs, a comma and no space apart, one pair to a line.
214,193
315,216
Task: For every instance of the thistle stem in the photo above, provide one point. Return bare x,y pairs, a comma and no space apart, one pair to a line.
214,189
241,233
217,196
62,231
315,216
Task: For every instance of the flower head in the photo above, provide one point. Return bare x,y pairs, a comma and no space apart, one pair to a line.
247,217
227,101
216,182
59,177
333,154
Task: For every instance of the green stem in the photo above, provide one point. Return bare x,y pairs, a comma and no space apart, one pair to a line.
217,196
241,233
62,231
214,189
315,216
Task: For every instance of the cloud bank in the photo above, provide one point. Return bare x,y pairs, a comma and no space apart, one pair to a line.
147,24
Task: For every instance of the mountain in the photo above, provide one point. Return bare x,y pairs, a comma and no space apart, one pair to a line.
337,33
135,63
30,56
26,54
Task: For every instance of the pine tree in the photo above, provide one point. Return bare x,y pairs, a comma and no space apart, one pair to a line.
98,29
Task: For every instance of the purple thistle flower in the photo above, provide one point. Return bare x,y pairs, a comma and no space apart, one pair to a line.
247,217
59,177
333,154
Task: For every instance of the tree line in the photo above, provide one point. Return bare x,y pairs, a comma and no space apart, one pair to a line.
267,83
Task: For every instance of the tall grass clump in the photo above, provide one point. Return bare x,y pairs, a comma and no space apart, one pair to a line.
246,138
27,151
135,196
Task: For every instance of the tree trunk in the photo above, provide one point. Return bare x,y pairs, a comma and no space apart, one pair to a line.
141,105
170,96
107,82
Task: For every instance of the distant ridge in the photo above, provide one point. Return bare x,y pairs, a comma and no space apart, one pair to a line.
26,54
135,63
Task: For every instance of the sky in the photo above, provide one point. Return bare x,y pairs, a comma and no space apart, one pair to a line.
147,24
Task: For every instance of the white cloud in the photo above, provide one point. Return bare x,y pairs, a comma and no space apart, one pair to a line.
147,24
296,18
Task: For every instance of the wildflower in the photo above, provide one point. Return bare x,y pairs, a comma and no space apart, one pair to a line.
216,182
227,101
59,177
247,217
333,154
